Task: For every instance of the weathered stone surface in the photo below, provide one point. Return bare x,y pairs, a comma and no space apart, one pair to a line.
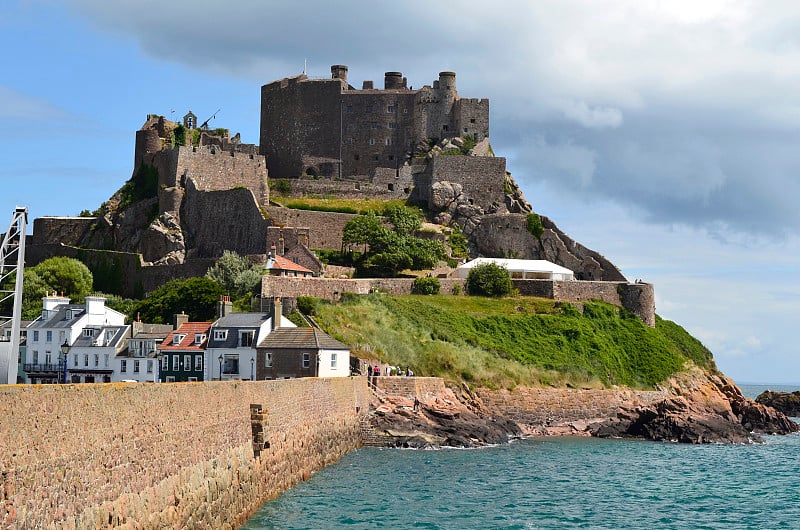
708,409
786,402
445,193
163,242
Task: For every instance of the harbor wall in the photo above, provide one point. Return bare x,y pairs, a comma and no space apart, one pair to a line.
165,455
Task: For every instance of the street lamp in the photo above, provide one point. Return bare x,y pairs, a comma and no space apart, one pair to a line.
220,366
252,368
65,353
158,368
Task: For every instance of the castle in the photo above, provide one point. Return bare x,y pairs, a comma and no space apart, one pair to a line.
195,192
326,127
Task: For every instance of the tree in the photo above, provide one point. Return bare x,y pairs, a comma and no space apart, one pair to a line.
489,279
66,275
361,230
227,269
405,220
197,297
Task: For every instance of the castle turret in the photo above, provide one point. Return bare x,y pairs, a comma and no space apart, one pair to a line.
393,80
339,71
447,81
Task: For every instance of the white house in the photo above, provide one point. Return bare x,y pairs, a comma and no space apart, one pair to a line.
62,324
232,341
523,269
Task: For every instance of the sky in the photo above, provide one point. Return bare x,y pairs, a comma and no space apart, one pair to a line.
664,135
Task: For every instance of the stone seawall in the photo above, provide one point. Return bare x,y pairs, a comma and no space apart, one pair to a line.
408,387
168,455
550,406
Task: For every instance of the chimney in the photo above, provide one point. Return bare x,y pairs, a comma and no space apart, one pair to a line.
181,319
281,244
224,306
277,310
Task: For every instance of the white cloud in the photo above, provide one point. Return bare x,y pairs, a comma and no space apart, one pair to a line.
15,105
597,117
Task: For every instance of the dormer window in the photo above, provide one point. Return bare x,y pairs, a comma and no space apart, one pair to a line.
199,338
88,332
220,334
246,338
177,338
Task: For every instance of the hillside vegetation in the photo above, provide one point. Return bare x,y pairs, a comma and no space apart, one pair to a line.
501,343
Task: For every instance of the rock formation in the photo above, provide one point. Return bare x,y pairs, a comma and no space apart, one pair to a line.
786,402
705,409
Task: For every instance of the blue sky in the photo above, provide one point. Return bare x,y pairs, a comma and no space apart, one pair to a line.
662,134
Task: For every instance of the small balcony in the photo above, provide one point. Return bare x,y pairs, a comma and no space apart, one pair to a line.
41,368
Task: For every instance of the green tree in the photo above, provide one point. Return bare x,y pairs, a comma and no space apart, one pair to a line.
405,220
180,135
361,230
227,270
489,279
197,297
387,264
66,275
535,226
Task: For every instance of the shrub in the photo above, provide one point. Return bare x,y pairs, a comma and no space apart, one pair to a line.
281,186
535,225
456,290
425,285
489,279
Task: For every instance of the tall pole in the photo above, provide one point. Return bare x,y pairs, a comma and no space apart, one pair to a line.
12,260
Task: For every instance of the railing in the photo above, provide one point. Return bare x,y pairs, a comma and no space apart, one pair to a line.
43,367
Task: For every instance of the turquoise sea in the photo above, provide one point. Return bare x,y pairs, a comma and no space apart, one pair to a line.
553,483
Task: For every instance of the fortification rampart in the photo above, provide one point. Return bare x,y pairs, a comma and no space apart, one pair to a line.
481,178
66,230
408,387
325,227
165,456
549,406
637,298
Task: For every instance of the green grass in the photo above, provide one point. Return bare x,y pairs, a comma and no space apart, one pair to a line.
501,343
332,204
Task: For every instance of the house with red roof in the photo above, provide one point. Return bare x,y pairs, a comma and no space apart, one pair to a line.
183,352
280,266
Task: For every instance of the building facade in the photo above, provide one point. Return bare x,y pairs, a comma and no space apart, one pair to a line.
183,353
326,127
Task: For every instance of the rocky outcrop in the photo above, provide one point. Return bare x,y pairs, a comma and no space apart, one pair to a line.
786,402
445,420
701,409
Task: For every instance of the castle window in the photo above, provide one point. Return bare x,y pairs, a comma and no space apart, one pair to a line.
388,141
356,157
444,128
369,108
372,141
391,157
391,187
374,125
390,109
405,111
392,125
375,157
349,108
465,129
472,120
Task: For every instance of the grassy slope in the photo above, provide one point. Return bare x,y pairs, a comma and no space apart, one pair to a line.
505,342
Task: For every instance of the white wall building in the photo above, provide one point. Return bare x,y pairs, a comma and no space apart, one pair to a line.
522,269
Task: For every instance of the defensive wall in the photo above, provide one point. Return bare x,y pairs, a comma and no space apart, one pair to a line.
549,406
482,178
156,456
325,227
638,298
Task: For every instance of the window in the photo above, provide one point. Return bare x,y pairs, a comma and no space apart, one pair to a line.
349,108
48,358
356,156
333,361
268,359
392,125
405,111
176,363
374,125
96,360
61,337
388,141
192,379
369,108
372,141
36,357
105,360
49,336
472,120
170,379
86,360
466,130
187,363
177,338
36,336
199,338
75,360
88,332
220,334
246,338
165,362
198,363
390,108
136,366
445,127
123,366
149,366
231,365
306,360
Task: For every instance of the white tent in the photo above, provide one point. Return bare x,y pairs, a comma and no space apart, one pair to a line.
523,269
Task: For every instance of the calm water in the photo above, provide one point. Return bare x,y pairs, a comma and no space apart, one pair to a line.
552,483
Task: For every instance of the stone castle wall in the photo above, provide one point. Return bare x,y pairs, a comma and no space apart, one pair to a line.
66,230
548,406
637,298
408,387
325,227
482,178
165,456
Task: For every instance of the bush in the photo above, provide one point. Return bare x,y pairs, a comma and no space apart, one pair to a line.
535,225
489,279
425,285
281,186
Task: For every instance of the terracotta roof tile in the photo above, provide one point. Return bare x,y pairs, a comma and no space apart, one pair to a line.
189,329
283,264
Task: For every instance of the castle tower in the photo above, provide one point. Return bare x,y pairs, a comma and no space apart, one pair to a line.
339,71
393,80
190,120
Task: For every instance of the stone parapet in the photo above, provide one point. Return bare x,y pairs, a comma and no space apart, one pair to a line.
165,455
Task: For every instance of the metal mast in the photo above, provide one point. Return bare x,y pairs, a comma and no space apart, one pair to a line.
12,260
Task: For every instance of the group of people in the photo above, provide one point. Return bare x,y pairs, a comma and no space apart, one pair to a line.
375,371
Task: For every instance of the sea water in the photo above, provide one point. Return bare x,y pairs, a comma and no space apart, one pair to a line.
552,483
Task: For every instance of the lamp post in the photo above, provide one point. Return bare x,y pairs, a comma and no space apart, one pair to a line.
65,353
158,368
252,368
220,367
